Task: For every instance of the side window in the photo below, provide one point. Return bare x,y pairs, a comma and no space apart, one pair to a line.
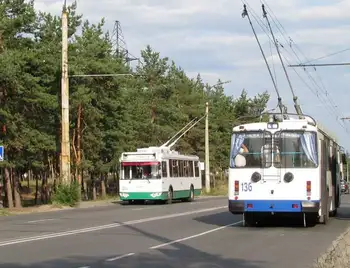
164,169
126,172
185,168
171,162
181,168
190,168
196,169
175,167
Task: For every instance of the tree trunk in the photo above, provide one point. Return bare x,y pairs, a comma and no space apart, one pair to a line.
103,186
79,132
84,187
44,192
36,189
17,195
8,189
93,184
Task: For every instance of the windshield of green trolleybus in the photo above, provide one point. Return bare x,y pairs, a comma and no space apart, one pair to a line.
141,170
297,149
251,149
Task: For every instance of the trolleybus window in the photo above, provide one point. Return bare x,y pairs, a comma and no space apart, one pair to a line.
298,149
251,149
141,170
164,169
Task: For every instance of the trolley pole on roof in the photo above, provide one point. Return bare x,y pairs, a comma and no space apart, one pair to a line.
207,166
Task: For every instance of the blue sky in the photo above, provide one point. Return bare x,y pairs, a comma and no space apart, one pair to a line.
211,38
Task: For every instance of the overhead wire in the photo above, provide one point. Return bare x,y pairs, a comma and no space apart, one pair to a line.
316,91
292,44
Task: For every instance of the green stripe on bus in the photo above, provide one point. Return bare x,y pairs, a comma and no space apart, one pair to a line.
163,196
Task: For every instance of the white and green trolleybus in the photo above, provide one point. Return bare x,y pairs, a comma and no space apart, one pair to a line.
159,174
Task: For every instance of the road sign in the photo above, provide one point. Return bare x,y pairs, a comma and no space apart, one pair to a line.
1,153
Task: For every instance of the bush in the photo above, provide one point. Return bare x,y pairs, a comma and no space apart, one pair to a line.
67,194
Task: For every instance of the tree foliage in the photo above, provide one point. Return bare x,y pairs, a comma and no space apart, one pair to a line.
108,115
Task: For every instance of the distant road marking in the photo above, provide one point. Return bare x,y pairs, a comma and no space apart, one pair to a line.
142,208
103,227
196,235
120,257
41,220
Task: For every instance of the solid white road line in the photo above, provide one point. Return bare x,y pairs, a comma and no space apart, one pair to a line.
196,235
103,227
120,257
43,220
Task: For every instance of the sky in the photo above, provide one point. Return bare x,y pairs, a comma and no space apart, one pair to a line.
210,37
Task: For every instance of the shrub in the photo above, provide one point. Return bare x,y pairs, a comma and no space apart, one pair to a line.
67,194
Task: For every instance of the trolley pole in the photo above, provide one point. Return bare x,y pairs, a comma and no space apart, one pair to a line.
65,144
207,167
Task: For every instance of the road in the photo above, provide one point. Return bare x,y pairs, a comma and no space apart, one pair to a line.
199,234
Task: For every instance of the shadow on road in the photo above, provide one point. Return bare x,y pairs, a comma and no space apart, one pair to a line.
271,221
343,212
164,258
174,255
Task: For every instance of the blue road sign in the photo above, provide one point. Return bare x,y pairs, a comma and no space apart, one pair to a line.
1,153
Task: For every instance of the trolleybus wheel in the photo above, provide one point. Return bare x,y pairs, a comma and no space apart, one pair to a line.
333,213
170,196
191,197
325,217
248,219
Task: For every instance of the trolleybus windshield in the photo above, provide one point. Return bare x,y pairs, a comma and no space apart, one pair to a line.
141,170
298,149
251,149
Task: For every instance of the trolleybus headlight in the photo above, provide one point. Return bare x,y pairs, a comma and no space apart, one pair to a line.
288,177
256,177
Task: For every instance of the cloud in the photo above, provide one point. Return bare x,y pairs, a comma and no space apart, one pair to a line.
337,10
210,37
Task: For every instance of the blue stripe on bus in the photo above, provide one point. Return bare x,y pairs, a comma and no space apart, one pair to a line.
272,205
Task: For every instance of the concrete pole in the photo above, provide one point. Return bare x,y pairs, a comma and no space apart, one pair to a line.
207,166
65,144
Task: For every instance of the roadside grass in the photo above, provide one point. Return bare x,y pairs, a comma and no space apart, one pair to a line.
337,255
220,189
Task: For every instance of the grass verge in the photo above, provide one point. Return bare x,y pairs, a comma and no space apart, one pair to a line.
337,255
220,189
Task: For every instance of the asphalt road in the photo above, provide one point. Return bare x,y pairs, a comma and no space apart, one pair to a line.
199,234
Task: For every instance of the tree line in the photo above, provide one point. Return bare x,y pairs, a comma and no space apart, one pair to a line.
108,115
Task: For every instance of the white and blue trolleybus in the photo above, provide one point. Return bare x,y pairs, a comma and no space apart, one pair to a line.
288,165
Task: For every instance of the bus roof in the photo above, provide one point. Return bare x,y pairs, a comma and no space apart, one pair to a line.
164,151
293,121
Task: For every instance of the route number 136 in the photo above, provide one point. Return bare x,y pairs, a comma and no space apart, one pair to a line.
246,186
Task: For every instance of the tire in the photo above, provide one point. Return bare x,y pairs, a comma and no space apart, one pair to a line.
191,197
170,196
249,220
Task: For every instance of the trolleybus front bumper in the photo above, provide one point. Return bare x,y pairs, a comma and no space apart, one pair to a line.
241,206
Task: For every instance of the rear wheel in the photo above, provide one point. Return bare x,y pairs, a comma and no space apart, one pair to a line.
325,217
248,219
170,196
191,197
310,219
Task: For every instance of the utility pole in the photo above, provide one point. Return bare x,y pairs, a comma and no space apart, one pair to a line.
207,167
347,164
65,144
